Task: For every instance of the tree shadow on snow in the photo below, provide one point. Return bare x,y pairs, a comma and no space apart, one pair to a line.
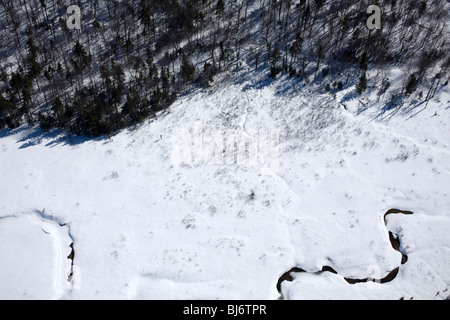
398,106
388,110
30,137
349,96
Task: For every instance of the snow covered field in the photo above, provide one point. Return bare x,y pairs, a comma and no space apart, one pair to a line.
148,221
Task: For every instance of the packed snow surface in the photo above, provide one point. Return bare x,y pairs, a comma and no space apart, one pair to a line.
221,196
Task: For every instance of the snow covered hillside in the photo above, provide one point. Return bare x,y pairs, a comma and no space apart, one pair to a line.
222,195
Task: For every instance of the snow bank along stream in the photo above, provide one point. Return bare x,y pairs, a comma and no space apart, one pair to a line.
36,253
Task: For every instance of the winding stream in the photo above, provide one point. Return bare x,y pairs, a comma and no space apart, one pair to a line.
395,242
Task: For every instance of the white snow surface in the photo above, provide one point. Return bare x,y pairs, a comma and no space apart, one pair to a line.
34,260
145,225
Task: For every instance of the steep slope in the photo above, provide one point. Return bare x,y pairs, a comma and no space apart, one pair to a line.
126,61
